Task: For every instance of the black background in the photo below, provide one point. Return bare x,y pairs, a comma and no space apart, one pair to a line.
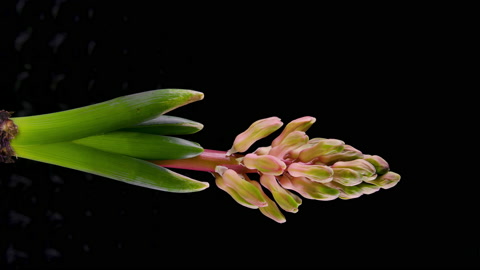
370,81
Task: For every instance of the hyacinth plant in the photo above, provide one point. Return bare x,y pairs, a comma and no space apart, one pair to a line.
131,139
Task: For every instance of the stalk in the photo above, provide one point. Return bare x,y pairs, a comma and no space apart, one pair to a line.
207,161
118,113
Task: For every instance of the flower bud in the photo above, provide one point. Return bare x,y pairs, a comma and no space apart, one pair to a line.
368,188
386,181
380,164
271,210
239,199
346,176
293,154
323,147
263,150
291,142
244,188
346,192
285,199
258,130
348,153
365,168
299,124
317,173
266,164
309,189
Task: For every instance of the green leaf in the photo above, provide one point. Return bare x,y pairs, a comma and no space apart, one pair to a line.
141,145
114,166
167,125
118,113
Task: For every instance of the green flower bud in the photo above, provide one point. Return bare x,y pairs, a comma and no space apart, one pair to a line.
346,192
346,176
365,168
266,164
239,199
271,210
348,153
299,124
386,181
258,130
368,188
291,142
309,189
323,147
244,188
317,173
285,199
380,164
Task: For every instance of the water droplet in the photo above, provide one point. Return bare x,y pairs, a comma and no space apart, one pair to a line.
17,219
22,38
13,255
91,45
52,254
57,40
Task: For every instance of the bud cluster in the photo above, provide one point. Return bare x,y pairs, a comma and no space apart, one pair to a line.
295,166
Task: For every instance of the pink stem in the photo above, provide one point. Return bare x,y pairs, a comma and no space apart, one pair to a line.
206,161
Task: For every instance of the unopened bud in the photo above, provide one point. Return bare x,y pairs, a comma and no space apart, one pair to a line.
348,153
285,199
244,188
263,150
266,164
368,188
365,168
309,189
239,199
346,176
317,173
258,130
271,210
386,181
346,192
299,124
323,147
291,142
380,164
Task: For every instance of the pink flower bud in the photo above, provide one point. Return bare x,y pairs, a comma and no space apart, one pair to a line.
368,188
299,124
291,142
271,210
263,150
239,199
258,130
244,188
266,164
365,168
386,181
323,147
346,192
309,189
348,153
346,176
285,199
317,173
380,164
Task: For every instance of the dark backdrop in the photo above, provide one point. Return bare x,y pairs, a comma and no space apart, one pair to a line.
365,79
